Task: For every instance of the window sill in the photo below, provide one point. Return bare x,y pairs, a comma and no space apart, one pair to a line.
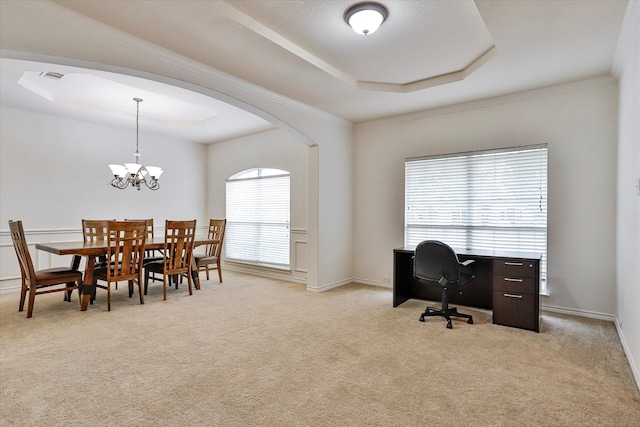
259,265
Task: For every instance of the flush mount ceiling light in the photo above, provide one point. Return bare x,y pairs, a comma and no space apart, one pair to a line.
365,18
134,173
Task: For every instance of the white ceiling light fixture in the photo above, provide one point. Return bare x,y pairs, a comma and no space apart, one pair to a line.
134,173
365,18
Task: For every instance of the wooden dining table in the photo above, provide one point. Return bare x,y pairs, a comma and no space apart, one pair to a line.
91,250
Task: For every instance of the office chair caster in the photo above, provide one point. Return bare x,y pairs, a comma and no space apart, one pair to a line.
449,325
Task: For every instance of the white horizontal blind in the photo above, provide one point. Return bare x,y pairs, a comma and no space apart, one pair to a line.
258,217
491,200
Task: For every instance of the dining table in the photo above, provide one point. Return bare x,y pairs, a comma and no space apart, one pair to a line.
91,250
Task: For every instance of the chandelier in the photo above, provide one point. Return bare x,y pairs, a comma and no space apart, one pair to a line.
134,173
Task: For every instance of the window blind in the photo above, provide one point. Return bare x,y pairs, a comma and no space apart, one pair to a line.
489,200
258,217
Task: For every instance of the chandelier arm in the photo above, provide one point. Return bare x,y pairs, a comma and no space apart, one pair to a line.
120,183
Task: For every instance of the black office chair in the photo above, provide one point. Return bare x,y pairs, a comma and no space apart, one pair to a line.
436,264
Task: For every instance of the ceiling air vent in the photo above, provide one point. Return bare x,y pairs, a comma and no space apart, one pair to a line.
52,75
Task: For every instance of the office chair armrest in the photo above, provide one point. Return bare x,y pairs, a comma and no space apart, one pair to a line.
468,262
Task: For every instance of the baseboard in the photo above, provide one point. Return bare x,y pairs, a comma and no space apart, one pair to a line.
627,352
376,283
267,273
577,312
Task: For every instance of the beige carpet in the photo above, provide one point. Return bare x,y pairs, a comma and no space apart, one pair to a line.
259,352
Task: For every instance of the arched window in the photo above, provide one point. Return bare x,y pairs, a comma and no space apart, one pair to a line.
258,213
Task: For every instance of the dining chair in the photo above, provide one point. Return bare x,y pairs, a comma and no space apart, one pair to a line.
178,250
94,230
33,280
126,250
210,260
150,255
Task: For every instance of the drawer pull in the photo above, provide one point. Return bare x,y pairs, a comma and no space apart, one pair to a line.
513,296
519,264
508,279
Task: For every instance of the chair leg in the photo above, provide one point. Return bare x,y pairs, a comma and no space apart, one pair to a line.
164,286
108,296
23,294
219,272
140,289
190,281
79,282
146,280
445,311
207,270
32,299
67,295
454,313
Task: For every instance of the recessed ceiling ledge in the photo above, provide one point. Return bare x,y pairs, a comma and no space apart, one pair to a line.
430,81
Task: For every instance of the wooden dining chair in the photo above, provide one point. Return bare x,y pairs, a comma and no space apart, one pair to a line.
210,260
33,280
149,254
126,248
92,231
178,250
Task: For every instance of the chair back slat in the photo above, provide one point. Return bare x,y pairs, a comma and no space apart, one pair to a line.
127,241
178,246
216,233
149,224
22,251
150,233
94,229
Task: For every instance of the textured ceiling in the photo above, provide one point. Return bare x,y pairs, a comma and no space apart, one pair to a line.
427,54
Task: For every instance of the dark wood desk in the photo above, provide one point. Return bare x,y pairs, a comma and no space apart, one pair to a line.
92,250
506,282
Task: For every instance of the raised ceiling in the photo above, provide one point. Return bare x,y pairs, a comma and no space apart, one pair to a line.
427,54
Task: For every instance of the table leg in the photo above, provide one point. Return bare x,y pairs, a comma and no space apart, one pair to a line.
75,264
195,274
88,287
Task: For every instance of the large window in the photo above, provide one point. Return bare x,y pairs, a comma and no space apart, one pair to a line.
258,217
488,200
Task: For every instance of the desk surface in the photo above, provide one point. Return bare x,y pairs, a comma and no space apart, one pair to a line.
482,253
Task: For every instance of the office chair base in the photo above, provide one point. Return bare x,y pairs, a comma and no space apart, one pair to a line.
447,314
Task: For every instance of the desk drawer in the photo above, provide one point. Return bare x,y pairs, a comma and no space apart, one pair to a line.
516,310
515,267
515,284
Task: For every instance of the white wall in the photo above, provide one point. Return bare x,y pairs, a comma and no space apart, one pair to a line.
580,128
628,212
271,149
54,173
